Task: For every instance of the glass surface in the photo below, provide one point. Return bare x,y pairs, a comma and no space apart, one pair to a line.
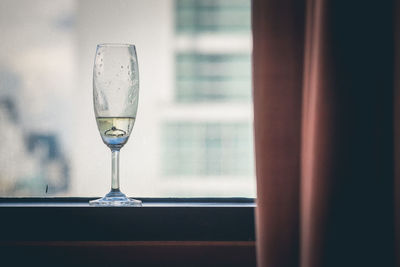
193,133
115,99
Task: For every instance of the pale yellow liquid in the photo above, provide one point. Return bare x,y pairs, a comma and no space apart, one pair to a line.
115,131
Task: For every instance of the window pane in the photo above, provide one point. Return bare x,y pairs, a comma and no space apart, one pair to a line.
207,149
213,16
213,77
193,131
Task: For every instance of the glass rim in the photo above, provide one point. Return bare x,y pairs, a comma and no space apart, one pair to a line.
116,45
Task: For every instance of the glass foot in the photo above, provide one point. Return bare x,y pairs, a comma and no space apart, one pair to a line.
116,199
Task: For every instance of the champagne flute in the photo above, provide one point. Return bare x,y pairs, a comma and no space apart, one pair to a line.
115,98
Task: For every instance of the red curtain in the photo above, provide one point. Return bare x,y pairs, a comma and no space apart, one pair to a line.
327,132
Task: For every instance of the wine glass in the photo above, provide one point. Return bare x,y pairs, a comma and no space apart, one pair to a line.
115,98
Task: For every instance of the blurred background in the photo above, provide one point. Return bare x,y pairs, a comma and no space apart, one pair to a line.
193,135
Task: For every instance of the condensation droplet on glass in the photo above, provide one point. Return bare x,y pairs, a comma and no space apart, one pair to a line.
98,73
101,60
127,66
101,65
122,67
99,54
129,72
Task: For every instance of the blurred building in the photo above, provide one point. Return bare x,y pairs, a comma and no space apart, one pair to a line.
31,164
208,134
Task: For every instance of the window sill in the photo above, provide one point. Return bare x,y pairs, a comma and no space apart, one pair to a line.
72,219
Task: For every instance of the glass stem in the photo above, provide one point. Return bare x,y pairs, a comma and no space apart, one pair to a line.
115,170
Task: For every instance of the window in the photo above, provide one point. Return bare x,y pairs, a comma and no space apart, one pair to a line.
193,134
213,16
50,145
207,149
213,77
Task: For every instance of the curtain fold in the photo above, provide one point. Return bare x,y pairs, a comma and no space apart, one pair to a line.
325,120
278,70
